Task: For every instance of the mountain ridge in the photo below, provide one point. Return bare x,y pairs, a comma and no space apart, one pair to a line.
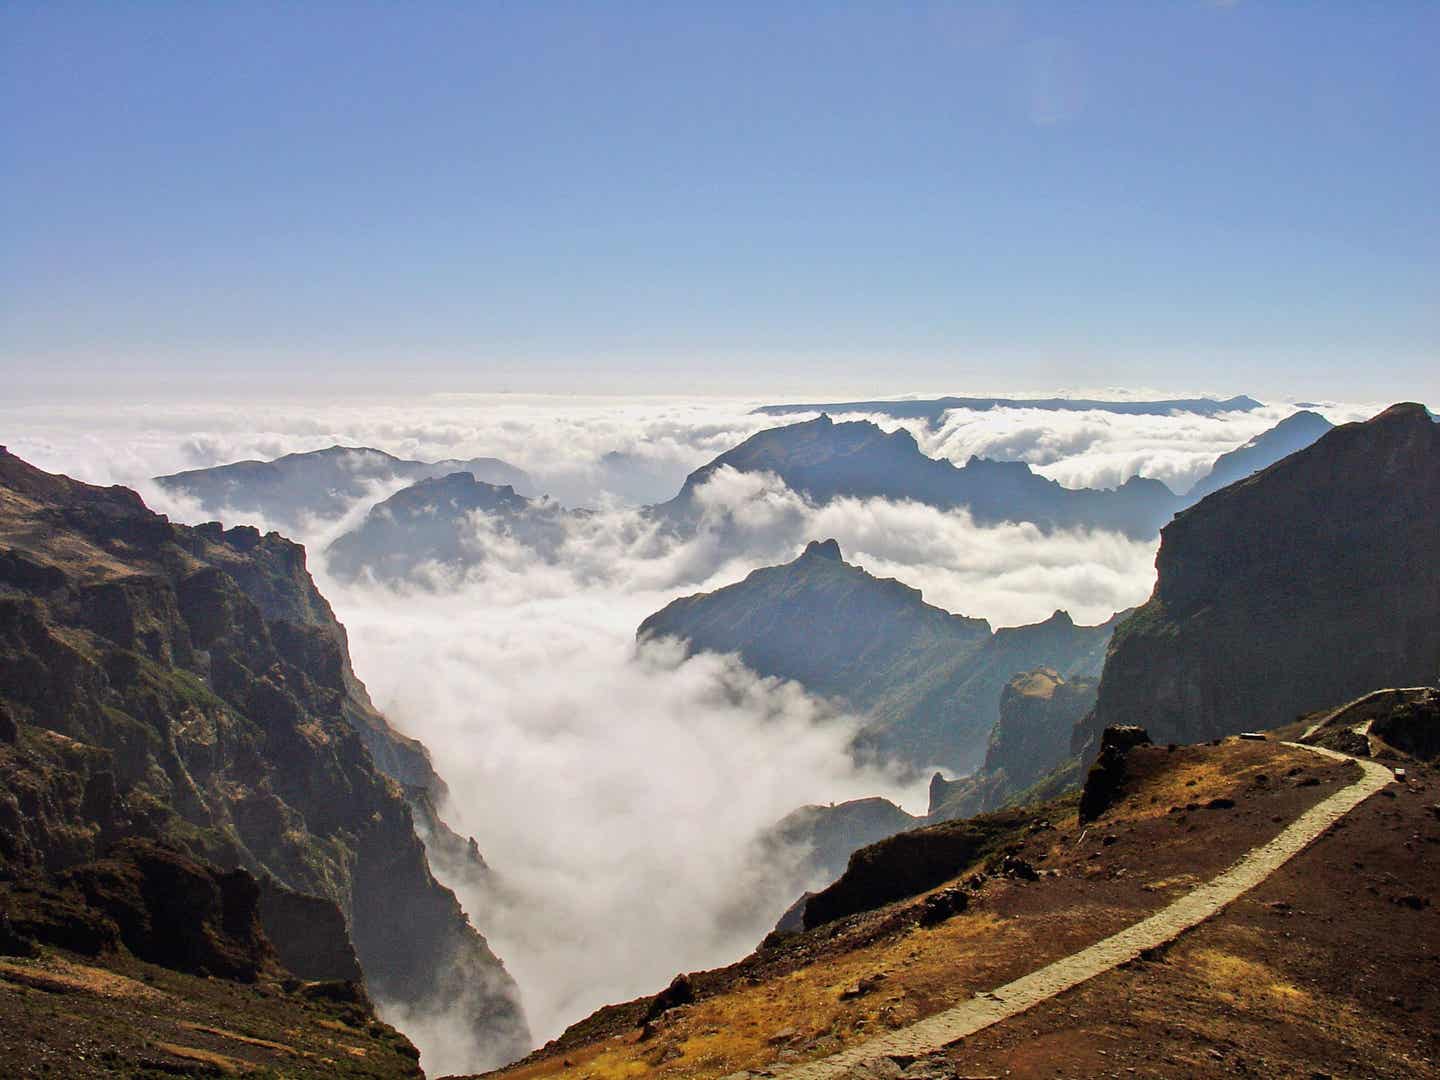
929,680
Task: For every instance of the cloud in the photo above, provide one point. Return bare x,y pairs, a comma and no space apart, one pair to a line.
617,791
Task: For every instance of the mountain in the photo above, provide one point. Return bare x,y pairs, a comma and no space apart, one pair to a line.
1295,432
928,681
933,410
435,522
321,483
1029,746
190,688
1305,584
825,460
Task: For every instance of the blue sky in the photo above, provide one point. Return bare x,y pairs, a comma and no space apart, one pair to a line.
874,198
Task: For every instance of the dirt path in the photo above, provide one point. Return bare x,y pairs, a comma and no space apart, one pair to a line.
945,1028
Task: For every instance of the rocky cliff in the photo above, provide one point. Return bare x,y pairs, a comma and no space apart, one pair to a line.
190,687
1311,582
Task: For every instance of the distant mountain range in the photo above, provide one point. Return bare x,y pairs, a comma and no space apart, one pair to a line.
824,460
434,519
321,483
927,682
1301,586
932,410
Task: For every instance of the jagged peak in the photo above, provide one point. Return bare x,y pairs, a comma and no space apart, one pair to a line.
823,549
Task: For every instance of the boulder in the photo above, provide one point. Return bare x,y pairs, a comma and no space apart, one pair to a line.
1106,778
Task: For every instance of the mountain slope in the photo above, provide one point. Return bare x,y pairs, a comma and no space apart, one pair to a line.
322,483
825,460
190,686
1295,432
928,681
1308,583
1314,970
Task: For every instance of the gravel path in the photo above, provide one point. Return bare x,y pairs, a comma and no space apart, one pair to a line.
945,1028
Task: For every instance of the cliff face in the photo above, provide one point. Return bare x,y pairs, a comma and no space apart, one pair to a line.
1038,710
929,681
1309,583
189,686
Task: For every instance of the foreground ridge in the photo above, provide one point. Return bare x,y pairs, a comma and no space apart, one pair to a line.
946,1028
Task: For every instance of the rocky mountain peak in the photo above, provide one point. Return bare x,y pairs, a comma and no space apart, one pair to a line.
823,549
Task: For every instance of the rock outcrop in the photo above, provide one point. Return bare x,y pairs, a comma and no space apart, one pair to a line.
1311,582
1105,782
828,835
191,688
928,681
1029,743
908,864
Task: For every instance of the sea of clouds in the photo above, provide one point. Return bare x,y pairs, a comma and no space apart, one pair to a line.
617,788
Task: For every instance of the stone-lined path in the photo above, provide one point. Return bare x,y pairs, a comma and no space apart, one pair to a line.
936,1032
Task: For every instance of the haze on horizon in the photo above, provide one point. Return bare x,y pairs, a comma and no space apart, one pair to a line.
829,199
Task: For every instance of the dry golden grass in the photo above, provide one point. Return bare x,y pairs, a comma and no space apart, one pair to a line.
1242,981
227,1065
237,1037
62,976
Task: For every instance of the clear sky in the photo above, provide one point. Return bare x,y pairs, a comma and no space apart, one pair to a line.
877,198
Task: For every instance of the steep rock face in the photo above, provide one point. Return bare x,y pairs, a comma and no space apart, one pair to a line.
1038,710
1295,432
438,522
322,483
191,687
1029,746
1309,583
928,681
825,460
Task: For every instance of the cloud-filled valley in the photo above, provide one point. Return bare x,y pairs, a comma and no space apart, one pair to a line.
617,790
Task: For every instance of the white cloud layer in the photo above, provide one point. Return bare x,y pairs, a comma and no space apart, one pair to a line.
616,792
